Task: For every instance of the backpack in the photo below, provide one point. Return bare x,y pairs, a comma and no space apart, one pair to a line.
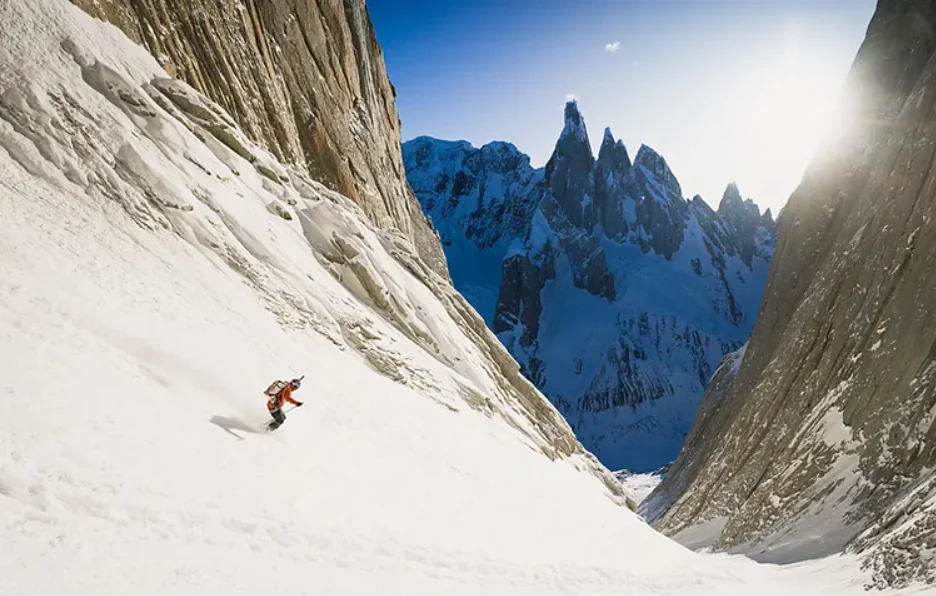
275,388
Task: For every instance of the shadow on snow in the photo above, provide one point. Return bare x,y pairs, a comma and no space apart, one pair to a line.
229,425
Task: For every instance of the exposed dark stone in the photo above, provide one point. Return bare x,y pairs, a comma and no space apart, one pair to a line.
304,79
570,171
578,214
519,298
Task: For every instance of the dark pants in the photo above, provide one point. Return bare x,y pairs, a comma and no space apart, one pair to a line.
278,418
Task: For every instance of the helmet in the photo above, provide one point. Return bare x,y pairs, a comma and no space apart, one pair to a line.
295,383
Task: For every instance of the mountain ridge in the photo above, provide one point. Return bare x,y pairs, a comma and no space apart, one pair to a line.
602,228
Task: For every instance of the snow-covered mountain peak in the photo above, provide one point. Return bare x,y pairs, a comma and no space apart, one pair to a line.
732,205
767,218
573,146
570,171
427,140
574,122
731,198
613,156
616,296
479,201
754,232
653,164
503,157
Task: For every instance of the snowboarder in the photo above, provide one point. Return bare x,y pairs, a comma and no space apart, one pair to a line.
279,393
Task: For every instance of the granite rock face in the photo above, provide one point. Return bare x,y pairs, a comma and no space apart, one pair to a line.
305,79
826,438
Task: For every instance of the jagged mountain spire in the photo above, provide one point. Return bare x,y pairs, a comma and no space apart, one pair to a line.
654,163
612,156
619,237
731,198
744,219
768,221
574,124
570,170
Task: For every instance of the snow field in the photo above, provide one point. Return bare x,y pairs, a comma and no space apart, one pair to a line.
135,342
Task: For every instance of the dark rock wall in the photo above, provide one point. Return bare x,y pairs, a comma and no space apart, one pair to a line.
833,411
303,78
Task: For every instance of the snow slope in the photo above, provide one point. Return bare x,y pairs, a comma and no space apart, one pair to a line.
640,484
148,293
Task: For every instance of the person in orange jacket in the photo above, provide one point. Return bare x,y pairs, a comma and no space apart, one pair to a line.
276,401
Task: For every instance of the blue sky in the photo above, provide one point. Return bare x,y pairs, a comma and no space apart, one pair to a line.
724,89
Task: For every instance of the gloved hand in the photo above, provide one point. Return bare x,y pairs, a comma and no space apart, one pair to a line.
299,404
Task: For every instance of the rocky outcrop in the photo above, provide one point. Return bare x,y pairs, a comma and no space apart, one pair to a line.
613,166
478,200
747,222
826,438
304,79
617,296
570,172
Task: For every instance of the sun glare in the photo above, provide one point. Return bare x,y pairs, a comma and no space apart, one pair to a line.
788,113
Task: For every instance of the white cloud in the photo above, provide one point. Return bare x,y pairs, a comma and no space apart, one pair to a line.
613,46
570,97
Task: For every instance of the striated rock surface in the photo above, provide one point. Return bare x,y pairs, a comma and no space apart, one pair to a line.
617,296
305,79
826,439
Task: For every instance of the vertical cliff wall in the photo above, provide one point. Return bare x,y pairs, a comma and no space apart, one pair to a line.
304,78
827,435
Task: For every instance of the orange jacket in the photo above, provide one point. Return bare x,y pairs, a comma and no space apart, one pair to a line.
277,401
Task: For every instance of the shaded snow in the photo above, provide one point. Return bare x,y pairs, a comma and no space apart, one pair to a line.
641,485
701,536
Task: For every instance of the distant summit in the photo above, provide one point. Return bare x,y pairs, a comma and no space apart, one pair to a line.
617,296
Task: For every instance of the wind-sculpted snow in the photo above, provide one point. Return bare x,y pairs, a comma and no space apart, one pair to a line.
616,295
